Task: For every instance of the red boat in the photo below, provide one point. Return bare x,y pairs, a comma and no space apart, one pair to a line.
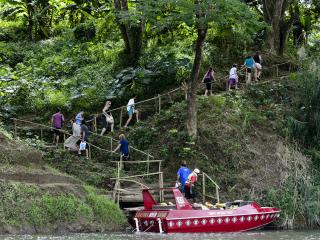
184,218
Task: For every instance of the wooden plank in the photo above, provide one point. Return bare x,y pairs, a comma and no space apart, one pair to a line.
133,176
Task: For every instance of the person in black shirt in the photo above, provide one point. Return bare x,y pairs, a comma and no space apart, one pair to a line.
83,143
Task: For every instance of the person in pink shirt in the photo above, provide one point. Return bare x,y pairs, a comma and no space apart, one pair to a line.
57,122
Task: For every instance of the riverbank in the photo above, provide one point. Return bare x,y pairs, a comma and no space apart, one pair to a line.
253,235
36,199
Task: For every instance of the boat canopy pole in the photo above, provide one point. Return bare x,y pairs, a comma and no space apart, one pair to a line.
160,225
137,224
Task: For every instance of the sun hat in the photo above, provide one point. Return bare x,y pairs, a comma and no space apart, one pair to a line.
196,170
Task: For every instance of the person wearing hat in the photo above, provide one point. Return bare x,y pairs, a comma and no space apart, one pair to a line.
190,183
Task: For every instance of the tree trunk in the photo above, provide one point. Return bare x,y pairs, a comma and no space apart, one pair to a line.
132,34
274,13
192,125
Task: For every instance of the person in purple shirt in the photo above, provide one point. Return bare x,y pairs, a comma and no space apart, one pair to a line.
57,122
182,174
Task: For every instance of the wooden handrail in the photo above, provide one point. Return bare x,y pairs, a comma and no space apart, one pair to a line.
117,141
151,161
139,175
143,101
62,131
211,179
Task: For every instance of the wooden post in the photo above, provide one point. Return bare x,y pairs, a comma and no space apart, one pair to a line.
111,146
15,129
95,124
89,153
41,134
120,163
247,78
217,194
277,71
203,188
148,164
121,112
161,186
115,189
64,139
118,181
170,98
159,96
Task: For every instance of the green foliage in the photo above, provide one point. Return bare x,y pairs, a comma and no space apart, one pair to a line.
104,211
85,31
304,122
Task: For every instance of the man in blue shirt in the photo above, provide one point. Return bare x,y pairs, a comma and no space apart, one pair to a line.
182,174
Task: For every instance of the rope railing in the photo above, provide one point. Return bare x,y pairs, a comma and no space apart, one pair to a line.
119,178
65,133
112,140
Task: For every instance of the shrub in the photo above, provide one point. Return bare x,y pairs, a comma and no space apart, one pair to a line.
85,31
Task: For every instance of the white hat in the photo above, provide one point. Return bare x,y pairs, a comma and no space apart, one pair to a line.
196,170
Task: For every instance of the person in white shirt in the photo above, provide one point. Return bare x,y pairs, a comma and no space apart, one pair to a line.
233,77
131,110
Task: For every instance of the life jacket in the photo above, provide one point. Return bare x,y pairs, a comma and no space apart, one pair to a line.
191,180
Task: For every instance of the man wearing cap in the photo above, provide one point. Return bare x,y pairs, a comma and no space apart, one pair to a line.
189,187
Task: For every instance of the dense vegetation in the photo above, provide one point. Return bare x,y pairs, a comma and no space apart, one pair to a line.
75,54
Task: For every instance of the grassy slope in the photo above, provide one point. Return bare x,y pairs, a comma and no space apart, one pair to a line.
38,199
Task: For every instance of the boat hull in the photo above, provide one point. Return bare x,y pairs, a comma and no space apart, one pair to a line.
200,221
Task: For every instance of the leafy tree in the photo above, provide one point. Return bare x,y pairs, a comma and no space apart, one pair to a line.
131,26
37,15
199,14
282,16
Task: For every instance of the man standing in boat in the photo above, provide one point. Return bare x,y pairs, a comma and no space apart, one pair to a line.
183,174
190,183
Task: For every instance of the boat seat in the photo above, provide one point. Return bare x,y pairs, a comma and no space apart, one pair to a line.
160,207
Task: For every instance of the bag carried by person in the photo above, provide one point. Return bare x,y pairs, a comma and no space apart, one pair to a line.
109,118
83,146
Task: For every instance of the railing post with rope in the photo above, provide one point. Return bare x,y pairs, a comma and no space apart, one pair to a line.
41,134
95,124
111,146
148,163
64,140
89,151
161,186
159,96
217,194
203,187
15,129
121,113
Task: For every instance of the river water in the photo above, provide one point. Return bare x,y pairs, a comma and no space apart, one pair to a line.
254,235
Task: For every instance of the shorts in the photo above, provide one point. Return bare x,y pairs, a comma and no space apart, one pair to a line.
104,121
57,131
258,66
232,81
125,157
209,86
249,70
131,111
